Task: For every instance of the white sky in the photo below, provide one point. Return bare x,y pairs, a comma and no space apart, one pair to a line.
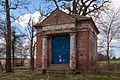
116,3
24,19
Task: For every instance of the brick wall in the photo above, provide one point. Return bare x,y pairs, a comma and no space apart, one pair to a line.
86,46
92,49
39,51
82,48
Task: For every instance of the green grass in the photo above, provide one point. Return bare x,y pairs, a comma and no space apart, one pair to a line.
27,75
34,76
112,62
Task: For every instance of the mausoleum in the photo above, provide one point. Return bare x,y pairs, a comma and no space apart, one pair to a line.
66,41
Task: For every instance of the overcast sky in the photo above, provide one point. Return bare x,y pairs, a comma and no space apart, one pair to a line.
116,3
36,3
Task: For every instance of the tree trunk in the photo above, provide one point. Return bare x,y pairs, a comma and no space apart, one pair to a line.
8,39
31,56
56,4
31,53
1,66
108,57
13,50
74,6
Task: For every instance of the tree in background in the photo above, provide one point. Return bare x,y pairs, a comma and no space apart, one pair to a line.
8,38
2,43
109,26
30,35
8,5
30,32
82,7
17,40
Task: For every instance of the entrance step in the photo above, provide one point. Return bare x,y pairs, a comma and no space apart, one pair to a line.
58,69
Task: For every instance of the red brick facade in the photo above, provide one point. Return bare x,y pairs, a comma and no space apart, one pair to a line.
86,45
39,50
82,48
85,38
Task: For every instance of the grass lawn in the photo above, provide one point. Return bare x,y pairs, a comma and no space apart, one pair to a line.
112,62
26,75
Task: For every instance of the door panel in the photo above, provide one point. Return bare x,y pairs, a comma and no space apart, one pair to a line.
60,49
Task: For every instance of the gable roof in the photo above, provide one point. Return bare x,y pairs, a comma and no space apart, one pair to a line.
60,17
56,17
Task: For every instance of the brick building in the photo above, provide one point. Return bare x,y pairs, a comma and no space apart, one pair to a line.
66,39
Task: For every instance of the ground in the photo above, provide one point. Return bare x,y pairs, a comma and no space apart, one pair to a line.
111,62
100,74
27,75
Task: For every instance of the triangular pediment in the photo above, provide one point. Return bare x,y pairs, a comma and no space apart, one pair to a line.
57,17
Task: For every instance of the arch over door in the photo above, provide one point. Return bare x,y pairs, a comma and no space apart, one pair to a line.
61,49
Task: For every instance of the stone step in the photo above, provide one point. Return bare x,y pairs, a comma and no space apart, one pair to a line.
58,69
54,72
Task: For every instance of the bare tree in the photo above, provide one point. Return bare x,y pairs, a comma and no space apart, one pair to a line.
82,7
8,6
109,23
31,32
8,39
2,48
17,39
13,48
30,36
